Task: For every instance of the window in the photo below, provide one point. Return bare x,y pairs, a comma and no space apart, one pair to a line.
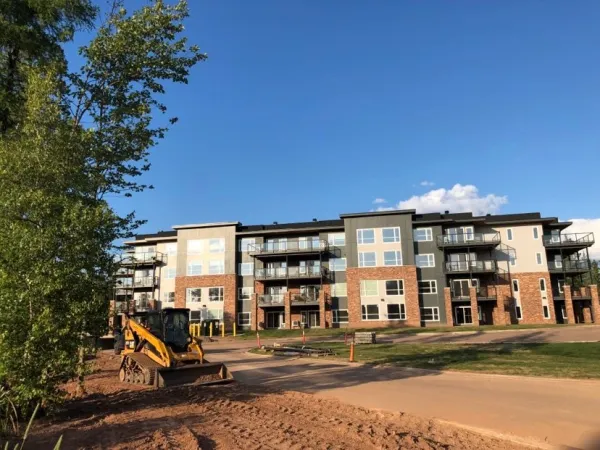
337,264
339,290
337,239
365,236
194,246
392,258
247,244
171,273
513,259
171,248
515,284
425,260
367,259
340,315
243,319
542,285
193,294
370,312
423,235
509,234
216,267
535,233
169,297
538,258
561,285
518,312
546,311
368,288
394,287
430,314
246,268
396,311
216,245
427,287
194,268
215,294
391,234
245,293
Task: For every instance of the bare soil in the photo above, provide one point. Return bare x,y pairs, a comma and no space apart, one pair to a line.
114,415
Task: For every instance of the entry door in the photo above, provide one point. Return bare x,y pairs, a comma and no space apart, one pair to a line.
274,319
462,315
461,261
461,288
310,318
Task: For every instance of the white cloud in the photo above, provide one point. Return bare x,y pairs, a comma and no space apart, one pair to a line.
427,183
461,198
583,226
379,201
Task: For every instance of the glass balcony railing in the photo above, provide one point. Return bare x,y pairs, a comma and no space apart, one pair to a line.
289,246
470,266
468,239
271,299
289,272
568,265
569,240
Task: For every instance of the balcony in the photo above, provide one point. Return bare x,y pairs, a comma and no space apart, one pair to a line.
121,307
139,259
479,266
468,240
583,293
289,272
307,298
569,266
486,293
145,282
289,247
271,300
569,241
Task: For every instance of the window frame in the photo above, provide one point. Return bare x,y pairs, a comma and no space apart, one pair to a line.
241,290
221,248
365,312
421,229
334,289
246,264
399,289
513,285
542,285
171,271
536,233
332,267
166,297
216,261
509,234
363,290
518,312
401,311
335,316
189,298
196,264
220,297
395,241
397,259
435,312
546,311
200,245
361,262
331,239
432,260
432,286
360,237
239,322
538,259
241,244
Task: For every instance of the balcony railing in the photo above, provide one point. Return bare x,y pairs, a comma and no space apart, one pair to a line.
145,282
569,265
471,266
583,292
271,300
289,246
305,298
486,292
142,258
468,240
289,272
120,307
569,240
142,304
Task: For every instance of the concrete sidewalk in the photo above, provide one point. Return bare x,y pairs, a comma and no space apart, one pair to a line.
557,411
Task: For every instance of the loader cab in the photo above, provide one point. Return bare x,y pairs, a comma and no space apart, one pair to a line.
176,326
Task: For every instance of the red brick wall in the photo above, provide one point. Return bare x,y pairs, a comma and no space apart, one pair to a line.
595,304
411,296
531,300
448,306
229,292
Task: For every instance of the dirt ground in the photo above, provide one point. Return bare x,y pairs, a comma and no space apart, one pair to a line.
234,416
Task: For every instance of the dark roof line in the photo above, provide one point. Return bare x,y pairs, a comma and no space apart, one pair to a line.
378,213
160,234
292,225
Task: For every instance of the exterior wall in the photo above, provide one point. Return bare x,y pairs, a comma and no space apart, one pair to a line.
531,301
226,232
165,284
411,300
524,245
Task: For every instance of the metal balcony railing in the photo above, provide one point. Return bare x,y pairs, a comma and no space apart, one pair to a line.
120,307
271,299
486,292
290,246
305,298
569,265
142,258
471,266
468,239
289,272
569,240
145,281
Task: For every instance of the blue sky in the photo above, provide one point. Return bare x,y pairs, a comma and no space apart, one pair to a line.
314,108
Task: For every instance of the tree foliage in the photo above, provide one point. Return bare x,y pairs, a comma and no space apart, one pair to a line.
79,136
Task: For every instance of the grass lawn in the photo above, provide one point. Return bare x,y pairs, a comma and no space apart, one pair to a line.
339,332
568,360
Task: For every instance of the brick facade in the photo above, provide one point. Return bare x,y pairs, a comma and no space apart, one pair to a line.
531,300
448,306
411,297
569,304
474,306
229,292
504,312
595,304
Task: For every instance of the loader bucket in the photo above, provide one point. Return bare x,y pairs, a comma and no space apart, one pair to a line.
199,374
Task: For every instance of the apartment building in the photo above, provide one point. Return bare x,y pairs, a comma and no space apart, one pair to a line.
374,269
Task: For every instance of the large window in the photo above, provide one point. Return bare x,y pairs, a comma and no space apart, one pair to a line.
246,269
247,244
194,246
171,248
392,258
427,287
367,259
425,260
370,312
193,295
430,314
216,245
194,268
170,273
169,297
243,319
216,267
339,290
396,311
368,288
423,235
337,239
337,264
215,294
245,293
391,234
394,287
365,236
340,315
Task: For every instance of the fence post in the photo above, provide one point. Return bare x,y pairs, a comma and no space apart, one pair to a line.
234,329
210,329
222,329
258,338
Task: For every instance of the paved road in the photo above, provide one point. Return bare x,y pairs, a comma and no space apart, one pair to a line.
551,410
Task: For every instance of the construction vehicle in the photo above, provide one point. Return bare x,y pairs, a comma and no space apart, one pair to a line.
159,351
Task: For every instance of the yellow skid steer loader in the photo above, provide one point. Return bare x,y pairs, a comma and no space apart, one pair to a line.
159,351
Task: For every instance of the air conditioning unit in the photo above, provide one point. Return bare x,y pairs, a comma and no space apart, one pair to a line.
296,324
